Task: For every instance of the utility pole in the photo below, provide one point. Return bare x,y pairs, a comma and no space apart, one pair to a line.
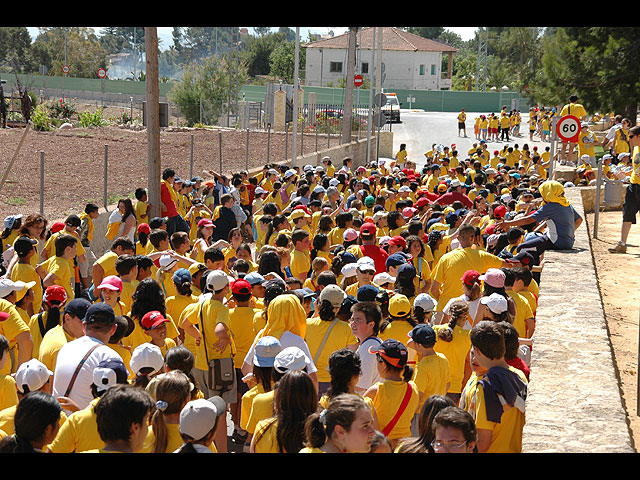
296,83
348,92
372,83
153,119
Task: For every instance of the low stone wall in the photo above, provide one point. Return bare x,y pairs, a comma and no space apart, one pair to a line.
574,403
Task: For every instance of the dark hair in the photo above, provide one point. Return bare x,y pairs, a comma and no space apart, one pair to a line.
140,192
128,208
344,364
458,309
168,173
90,208
488,337
270,262
120,407
213,254
148,296
326,278
125,263
455,417
143,262
35,412
295,399
430,408
124,243
158,235
524,274
371,312
341,411
63,241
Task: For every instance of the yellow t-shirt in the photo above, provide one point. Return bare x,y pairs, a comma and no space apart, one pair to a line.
456,352
387,401
26,273
300,263
523,312
8,392
79,433
241,326
399,330
340,337
50,345
431,375
213,313
452,266
11,328
108,263
64,276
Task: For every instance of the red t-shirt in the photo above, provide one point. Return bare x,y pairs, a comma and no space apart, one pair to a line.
378,254
169,209
520,365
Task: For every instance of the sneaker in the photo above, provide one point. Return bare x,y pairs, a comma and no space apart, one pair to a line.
619,248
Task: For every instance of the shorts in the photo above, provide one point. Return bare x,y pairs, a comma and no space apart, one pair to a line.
631,203
461,126
89,261
230,395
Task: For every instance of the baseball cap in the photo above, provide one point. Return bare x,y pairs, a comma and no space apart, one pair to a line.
369,200
298,213
408,212
393,351
493,277
56,227
368,229
54,293
152,319
217,280
424,334
366,264
470,277
11,220
254,278
111,282
198,417
32,375
8,286
333,294
77,307
73,220
500,211
240,287
367,293
144,228
350,235
166,262
146,355
290,358
24,245
182,275
265,351
195,268
100,313
421,202
383,278
205,222
399,305
109,373
495,302
425,301
398,241
396,259
349,270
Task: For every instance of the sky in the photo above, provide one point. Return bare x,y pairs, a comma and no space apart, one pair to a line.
164,33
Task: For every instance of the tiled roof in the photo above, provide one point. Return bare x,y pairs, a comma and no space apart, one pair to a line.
392,39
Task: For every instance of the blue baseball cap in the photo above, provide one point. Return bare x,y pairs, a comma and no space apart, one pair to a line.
265,351
396,259
367,293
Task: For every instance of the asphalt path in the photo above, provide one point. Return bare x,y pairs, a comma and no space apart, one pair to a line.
419,130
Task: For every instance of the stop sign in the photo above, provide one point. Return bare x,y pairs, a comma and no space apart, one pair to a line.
358,80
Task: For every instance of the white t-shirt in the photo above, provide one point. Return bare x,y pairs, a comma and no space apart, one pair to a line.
473,308
368,364
68,359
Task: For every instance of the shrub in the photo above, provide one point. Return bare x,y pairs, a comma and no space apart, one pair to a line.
62,109
40,119
88,119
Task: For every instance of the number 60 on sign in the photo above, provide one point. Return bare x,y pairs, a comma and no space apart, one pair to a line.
568,128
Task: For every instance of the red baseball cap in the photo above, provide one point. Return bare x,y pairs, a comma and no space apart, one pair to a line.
206,222
152,319
56,227
241,286
470,277
54,293
421,202
368,229
144,228
398,241
500,211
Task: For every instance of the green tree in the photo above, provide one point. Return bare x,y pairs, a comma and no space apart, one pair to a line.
282,60
258,51
15,49
85,54
599,64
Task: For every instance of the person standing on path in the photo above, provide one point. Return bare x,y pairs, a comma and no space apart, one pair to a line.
462,117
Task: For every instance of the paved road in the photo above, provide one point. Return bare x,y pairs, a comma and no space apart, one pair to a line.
420,130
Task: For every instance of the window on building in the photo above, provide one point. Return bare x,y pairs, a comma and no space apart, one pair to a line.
364,68
335,67
433,69
421,69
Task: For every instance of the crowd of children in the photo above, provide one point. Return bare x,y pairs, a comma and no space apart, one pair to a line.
328,308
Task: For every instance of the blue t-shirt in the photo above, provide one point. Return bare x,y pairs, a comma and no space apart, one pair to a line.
560,222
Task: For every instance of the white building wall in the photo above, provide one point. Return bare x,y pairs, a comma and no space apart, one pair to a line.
401,69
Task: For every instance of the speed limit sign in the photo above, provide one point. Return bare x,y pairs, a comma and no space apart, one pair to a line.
65,69
102,73
568,128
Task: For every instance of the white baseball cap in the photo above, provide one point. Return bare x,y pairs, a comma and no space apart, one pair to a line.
495,302
146,355
32,374
425,301
382,279
290,358
217,280
198,417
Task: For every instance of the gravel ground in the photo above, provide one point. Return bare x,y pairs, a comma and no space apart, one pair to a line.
74,162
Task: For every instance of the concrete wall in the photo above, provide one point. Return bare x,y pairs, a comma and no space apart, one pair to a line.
574,403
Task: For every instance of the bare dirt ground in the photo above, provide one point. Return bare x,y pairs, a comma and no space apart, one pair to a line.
619,286
74,161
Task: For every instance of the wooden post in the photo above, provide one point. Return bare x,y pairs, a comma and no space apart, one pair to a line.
153,120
